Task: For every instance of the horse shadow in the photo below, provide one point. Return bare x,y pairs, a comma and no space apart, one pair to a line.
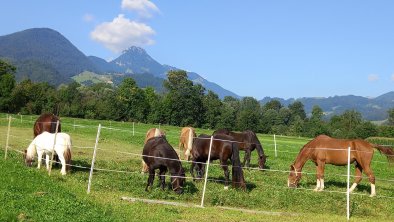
80,166
359,188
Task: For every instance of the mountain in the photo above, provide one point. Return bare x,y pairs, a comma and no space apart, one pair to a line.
42,49
43,54
370,108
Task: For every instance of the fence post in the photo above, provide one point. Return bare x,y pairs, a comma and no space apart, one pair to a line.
53,147
94,158
348,184
8,137
21,119
206,172
74,125
276,152
133,128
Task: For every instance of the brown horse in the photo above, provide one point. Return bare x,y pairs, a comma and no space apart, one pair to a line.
186,141
46,122
159,154
152,132
324,149
248,142
222,149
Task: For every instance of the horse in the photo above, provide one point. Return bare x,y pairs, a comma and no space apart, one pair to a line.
44,144
186,141
326,150
153,132
168,160
47,122
223,149
248,142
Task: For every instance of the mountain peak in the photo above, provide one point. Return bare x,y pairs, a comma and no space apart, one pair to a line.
134,50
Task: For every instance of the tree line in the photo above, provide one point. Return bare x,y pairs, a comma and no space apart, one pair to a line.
181,104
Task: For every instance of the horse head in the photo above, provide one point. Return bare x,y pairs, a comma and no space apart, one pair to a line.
262,160
294,177
178,181
28,158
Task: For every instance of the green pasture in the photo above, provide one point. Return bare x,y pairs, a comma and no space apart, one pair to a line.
28,194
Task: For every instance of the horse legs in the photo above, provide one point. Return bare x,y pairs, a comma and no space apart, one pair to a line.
247,158
150,179
39,159
320,175
47,161
371,178
226,173
162,177
63,162
358,177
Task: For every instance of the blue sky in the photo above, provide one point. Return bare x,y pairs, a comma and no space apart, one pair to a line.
276,48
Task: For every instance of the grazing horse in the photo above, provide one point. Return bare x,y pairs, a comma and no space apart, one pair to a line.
186,141
47,122
44,144
153,132
159,154
324,149
223,149
248,142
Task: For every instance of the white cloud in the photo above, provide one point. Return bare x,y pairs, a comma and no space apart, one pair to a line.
88,17
122,33
373,77
142,7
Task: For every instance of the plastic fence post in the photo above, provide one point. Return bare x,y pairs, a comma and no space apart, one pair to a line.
206,172
53,148
8,137
348,185
276,152
94,158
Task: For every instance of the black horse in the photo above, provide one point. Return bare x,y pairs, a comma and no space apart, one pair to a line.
159,154
248,141
222,149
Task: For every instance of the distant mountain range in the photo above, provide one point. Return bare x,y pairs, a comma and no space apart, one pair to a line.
43,54
371,108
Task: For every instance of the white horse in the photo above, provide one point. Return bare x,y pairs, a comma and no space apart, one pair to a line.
44,144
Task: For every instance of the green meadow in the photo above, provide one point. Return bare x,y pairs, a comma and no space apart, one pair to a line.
29,194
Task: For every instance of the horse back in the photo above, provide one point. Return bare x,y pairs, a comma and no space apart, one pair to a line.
159,147
46,122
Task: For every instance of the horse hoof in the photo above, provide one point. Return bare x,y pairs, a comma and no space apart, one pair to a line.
226,188
316,189
372,195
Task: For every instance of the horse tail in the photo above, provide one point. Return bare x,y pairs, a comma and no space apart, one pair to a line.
388,151
189,142
67,155
237,173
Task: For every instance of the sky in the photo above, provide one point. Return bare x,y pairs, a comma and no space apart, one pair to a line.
258,48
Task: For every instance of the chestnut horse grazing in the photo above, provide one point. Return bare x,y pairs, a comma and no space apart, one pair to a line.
186,141
153,132
222,149
44,144
324,149
159,154
248,142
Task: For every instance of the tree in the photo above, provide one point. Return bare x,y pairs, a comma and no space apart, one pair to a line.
132,101
183,103
297,109
7,84
273,104
391,116
213,107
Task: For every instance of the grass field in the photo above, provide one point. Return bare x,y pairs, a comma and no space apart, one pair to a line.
28,194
